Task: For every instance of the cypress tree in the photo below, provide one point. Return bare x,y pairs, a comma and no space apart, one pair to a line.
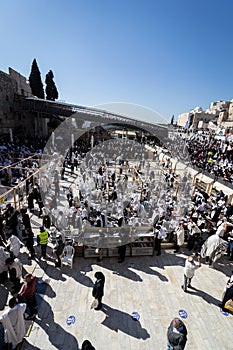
35,81
51,90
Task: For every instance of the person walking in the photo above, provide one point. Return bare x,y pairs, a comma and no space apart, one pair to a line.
13,323
59,247
98,289
176,335
15,272
189,271
28,291
42,240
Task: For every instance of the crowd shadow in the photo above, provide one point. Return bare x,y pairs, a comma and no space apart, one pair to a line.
51,271
27,346
43,288
58,336
23,257
144,264
122,269
205,296
79,274
118,320
48,265
224,265
148,270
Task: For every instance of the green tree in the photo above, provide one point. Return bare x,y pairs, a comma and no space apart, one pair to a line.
35,81
51,90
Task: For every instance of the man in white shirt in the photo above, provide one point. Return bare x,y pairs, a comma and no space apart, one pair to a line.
160,235
13,323
189,271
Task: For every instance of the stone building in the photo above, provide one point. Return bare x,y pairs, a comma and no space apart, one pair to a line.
220,113
227,122
20,124
182,119
196,117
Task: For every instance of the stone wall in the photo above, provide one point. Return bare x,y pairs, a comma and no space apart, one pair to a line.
22,123
23,87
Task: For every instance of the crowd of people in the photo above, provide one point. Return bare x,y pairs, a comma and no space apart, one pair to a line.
210,154
205,224
17,233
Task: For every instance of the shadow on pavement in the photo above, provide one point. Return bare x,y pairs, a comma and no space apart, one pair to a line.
121,321
58,336
27,346
205,296
43,288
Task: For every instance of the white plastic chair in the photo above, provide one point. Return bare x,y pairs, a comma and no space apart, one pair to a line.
68,256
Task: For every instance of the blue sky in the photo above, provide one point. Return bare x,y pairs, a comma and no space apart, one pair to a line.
166,55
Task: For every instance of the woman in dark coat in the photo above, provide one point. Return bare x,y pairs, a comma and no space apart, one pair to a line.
98,288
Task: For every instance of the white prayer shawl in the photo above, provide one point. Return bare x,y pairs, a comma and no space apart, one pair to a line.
84,213
214,247
221,229
17,266
14,324
14,245
180,235
3,256
141,211
162,233
78,221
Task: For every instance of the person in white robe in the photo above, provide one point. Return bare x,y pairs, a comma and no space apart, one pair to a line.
14,245
13,322
214,247
3,267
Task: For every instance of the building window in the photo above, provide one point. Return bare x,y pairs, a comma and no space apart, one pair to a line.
19,116
7,98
